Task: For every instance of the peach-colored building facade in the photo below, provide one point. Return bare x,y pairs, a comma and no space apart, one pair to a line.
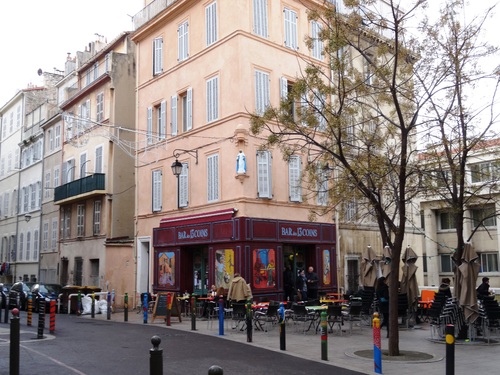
203,68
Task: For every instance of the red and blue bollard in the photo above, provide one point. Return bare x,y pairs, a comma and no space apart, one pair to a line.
377,344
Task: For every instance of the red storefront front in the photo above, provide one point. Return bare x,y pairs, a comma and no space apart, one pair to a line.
193,252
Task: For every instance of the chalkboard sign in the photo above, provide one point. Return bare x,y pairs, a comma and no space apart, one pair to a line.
160,307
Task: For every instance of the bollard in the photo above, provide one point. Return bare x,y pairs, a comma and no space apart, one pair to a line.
282,323
112,300
6,312
2,302
249,321
145,308
221,315
41,318
156,357
29,315
125,308
79,304
377,344
449,332
108,316
14,343
215,370
324,337
92,306
52,322
193,312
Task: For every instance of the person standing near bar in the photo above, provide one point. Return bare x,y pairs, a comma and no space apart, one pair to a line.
312,283
239,291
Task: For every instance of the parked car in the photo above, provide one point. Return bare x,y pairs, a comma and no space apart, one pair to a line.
43,291
5,290
18,295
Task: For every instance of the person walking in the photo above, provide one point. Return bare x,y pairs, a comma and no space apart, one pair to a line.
382,293
312,283
483,290
239,290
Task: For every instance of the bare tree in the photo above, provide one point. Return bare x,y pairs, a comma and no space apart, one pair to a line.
359,114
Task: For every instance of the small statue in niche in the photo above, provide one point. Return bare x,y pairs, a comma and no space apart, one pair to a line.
241,163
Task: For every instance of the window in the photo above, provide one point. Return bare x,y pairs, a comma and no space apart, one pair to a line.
98,160
80,220
211,23
186,100
6,204
83,165
484,216
47,185
484,172
26,198
264,180
322,186
97,218
50,136
96,70
99,107
294,179
446,263
262,93
68,171
212,99
84,115
149,126
446,220
367,70
56,177
54,234
45,236
57,138
183,41
213,178
161,119
489,262
260,21
32,189
290,24
317,47
28,246
350,210
35,245
183,186
157,190
21,247
66,222
157,56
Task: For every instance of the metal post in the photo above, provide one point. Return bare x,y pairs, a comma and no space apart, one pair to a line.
145,308
14,343
377,344
449,332
79,304
215,370
112,300
155,357
6,311
41,318
125,308
193,312
324,337
92,306
29,315
249,321
221,315
52,322
282,327
108,317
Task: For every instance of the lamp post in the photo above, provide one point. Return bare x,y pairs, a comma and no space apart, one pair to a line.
177,170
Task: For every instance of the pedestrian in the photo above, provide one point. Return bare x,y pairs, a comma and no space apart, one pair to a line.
445,287
301,284
239,290
382,293
483,290
312,283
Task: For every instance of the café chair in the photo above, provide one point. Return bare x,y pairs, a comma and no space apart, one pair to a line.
303,317
238,316
270,316
335,317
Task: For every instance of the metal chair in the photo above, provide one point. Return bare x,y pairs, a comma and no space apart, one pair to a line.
353,315
335,317
238,316
261,318
304,317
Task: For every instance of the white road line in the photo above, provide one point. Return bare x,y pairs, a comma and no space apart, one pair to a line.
55,361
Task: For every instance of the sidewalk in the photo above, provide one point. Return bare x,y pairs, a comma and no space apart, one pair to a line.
469,357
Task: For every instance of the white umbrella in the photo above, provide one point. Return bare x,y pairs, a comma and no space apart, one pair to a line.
369,270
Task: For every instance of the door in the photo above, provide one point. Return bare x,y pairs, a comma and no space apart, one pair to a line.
295,257
201,270
352,266
78,271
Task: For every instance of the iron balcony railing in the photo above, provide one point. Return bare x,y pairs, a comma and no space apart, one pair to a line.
81,186
150,11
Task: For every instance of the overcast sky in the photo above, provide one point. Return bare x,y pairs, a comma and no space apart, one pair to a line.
38,34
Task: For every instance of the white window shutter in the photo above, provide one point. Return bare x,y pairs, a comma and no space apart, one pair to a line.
174,116
264,182
157,190
189,114
149,126
183,186
294,182
163,120
283,88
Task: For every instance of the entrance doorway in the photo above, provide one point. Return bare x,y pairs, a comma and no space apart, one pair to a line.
295,257
201,270
352,275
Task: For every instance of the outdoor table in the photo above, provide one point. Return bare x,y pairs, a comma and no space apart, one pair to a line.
317,311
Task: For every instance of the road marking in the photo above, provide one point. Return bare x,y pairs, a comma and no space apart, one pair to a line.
55,361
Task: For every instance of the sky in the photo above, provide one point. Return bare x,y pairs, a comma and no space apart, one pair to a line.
39,34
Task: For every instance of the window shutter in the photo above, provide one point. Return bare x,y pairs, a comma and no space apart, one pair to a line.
211,23
264,174
260,18
189,108
294,183
283,88
157,191
163,120
149,126
213,178
261,91
173,120
183,186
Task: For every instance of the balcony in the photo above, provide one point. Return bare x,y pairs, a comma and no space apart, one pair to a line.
79,189
151,11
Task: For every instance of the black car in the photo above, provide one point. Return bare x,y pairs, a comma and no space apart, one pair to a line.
5,291
18,295
42,291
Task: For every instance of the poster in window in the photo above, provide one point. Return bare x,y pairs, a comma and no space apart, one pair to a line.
166,267
224,267
264,268
327,276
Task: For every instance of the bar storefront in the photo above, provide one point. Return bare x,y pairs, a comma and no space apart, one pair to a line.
193,252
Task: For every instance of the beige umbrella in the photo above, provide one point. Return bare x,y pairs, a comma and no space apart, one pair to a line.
469,269
386,262
369,270
409,283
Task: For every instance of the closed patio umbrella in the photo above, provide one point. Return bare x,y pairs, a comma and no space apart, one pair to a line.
386,262
409,283
469,269
369,269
